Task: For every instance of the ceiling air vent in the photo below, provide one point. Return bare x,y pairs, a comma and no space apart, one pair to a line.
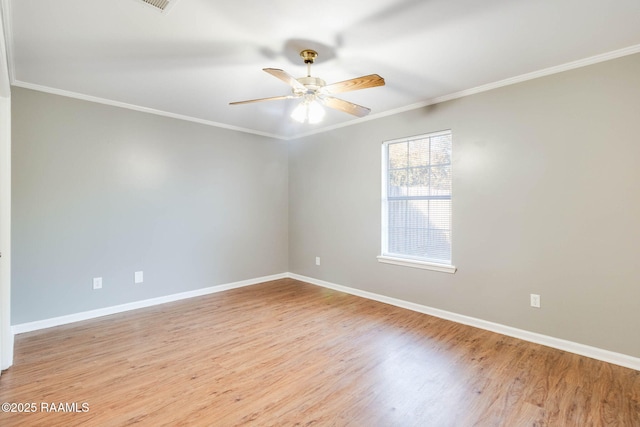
160,5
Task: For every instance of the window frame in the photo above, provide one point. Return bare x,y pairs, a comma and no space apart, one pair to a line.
402,259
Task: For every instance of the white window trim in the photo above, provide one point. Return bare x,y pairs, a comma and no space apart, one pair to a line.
404,261
425,265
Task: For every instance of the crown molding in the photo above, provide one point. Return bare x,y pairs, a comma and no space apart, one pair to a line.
105,101
607,56
486,87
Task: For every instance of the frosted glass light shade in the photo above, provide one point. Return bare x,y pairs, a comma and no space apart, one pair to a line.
308,111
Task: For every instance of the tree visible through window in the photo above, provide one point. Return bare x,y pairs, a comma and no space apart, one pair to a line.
417,198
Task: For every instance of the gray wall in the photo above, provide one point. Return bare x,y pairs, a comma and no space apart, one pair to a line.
100,191
546,181
545,195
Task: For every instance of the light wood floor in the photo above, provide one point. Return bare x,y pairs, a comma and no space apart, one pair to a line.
287,353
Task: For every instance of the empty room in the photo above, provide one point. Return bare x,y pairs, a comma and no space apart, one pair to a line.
295,213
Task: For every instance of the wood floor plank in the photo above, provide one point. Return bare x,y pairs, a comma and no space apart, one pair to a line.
286,353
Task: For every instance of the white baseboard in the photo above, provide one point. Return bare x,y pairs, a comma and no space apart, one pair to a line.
570,346
92,314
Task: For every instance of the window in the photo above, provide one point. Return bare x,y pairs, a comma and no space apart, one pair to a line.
416,202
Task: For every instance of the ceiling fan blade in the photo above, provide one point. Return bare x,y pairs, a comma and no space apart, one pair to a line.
347,107
273,98
364,82
285,77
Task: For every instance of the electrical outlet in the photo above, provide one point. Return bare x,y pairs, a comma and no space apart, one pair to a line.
535,300
138,277
317,260
97,283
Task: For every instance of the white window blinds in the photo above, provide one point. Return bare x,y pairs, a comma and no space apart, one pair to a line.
416,208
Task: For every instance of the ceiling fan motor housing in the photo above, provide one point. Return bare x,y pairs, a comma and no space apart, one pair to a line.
311,83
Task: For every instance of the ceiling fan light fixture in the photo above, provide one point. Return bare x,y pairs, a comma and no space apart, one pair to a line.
299,114
308,111
315,112
316,94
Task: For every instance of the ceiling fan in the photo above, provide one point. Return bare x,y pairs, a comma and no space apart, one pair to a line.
315,93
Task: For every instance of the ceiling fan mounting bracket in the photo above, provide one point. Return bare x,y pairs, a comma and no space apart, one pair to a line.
309,56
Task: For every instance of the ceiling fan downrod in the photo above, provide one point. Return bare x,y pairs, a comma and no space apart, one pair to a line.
309,56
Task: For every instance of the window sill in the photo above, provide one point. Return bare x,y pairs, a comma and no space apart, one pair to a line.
444,268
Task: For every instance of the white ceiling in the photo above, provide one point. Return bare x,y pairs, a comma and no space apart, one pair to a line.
201,55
